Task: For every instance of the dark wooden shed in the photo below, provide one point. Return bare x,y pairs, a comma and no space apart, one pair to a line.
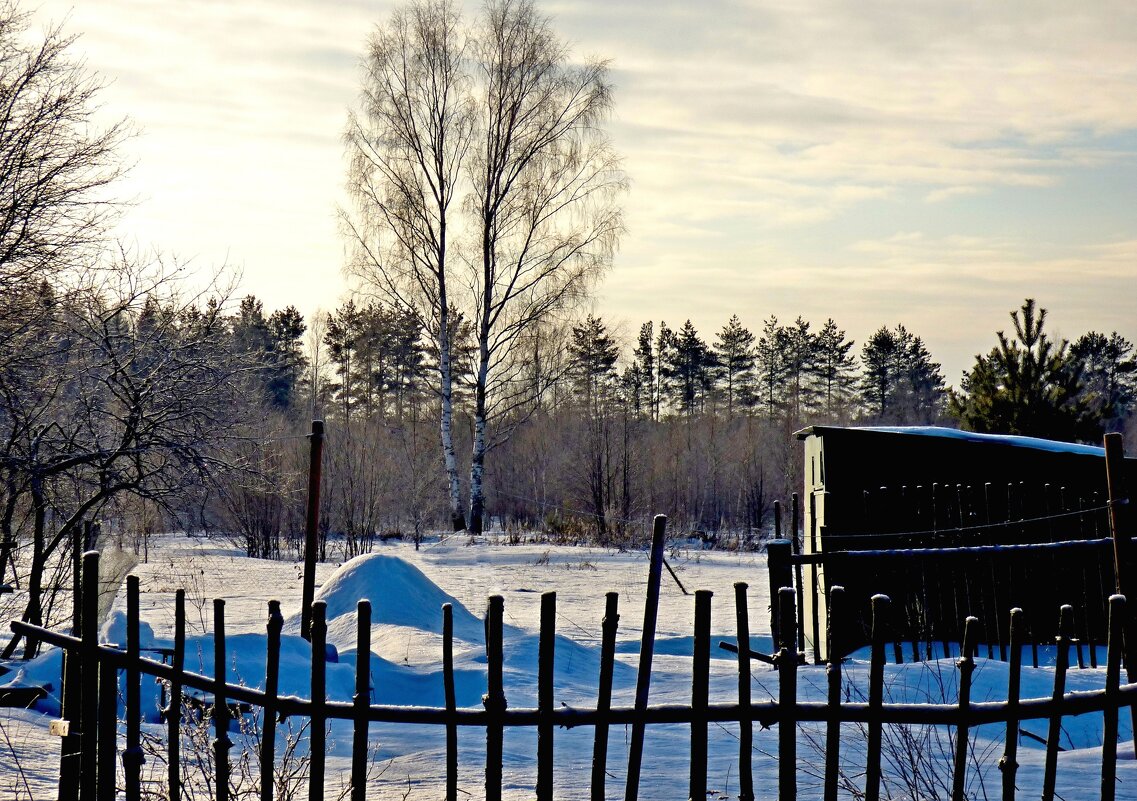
882,489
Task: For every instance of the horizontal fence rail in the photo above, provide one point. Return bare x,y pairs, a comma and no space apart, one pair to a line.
95,715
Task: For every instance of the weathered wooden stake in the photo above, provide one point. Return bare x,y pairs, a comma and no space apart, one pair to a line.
494,700
272,684
647,651
778,553
361,701
1062,663
451,702
700,695
89,676
604,693
312,526
787,697
546,648
132,757
1008,764
833,679
1121,529
317,736
173,710
966,666
1112,681
745,725
221,742
880,608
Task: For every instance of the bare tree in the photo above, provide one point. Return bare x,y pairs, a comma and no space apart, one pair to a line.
54,159
407,147
503,122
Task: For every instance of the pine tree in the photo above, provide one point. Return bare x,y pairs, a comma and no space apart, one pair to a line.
834,370
772,370
689,369
900,383
734,351
645,374
1109,376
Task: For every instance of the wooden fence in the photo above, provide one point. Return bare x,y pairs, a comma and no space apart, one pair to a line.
92,747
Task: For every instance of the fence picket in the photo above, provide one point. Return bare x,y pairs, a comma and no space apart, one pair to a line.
89,676
268,716
494,700
1062,663
966,665
173,711
700,695
604,693
833,697
451,702
880,604
647,650
108,729
1008,764
318,721
361,701
745,725
221,742
132,756
1112,680
787,696
546,648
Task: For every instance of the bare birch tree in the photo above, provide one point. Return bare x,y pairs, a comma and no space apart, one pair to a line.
407,147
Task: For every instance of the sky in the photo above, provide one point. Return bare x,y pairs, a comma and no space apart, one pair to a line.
925,162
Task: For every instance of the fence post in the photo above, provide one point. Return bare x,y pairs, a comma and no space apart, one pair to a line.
745,724
700,695
1121,528
132,758
89,675
1112,680
451,702
546,649
70,747
778,553
494,700
1008,764
833,677
604,693
108,728
221,741
268,716
795,541
787,696
311,526
647,650
880,606
966,666
361,701
174,706
1061,664
318,734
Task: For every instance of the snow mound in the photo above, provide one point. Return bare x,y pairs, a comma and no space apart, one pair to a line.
400,595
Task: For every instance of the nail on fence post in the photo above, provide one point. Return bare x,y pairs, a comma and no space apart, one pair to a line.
221,741
1008,764
833,678
546,648
89,676
880,610
787,697
451,702
647,651
966,665
745,724
361,701
1061,664
700,695
1113,698
318,736
132,757
173,709
272,679
604,693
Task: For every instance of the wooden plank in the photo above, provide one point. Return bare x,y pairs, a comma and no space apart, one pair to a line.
745,725
604,693
1062,663
647,650
700,694
107,728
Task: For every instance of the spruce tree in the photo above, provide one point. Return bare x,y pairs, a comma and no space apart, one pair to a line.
734,351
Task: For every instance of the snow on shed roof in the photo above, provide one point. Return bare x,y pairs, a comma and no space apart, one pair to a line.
966,436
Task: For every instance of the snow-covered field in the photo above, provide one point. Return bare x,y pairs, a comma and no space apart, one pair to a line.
407,587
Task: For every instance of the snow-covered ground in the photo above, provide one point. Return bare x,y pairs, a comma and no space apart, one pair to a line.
406,589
